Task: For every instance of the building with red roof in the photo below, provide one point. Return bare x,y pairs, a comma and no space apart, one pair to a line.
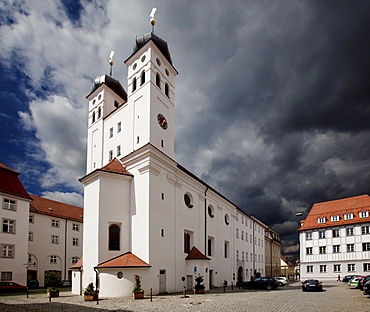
335,239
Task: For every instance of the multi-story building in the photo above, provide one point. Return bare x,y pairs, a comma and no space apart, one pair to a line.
272,252
15,203
335,239
37,234
144,213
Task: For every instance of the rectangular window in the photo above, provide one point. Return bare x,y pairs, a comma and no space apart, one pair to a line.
323,268
30,219
336,248
348,216
321,220
365,230
336,233
29,259
7,251
237,255
337,268
349,231
75,241
8,226
111,132
9,204
365,246
110,155
251,239
75,260
364,214
54,239
242,220
75,227
309,235
242,235
310,269
350,247
30,236
53,259
237,233
243,255
322,249
309,251
321,234
226,249
119,127
55,223
6,276
351,267
366,267
118,150
334,218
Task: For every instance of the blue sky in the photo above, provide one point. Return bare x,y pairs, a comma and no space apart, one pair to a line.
272,97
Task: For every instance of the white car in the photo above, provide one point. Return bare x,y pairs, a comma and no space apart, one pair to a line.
281,280
353,283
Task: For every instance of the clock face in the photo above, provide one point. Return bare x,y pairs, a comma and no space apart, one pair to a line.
162,121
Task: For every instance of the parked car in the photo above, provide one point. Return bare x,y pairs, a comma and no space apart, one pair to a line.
347,278
282,280
366,288
363,281
33,283
11,287
261,283
311,285
353,283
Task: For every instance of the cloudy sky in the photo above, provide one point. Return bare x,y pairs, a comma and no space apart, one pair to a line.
272,97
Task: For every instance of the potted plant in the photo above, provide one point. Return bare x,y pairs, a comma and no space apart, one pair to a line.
90,293
138,292
199,287
51,280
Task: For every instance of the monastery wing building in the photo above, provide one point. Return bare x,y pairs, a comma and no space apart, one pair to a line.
143,212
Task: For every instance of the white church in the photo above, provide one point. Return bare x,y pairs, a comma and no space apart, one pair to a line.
144,213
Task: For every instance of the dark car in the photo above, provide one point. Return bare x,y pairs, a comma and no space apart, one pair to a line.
33,283
347,278
261,283
366,288
311,285
11,287
363,281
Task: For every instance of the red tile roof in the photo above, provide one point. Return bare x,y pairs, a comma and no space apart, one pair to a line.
115,166
77,265
337,207
10,183
196,254
57,209
127,260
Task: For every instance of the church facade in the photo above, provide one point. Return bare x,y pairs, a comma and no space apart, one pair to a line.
144,213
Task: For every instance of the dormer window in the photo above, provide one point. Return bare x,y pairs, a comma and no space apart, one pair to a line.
364,214
348,216
321,220
334,218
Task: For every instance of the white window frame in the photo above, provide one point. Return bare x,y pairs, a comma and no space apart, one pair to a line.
364,214
351,267
53,260
366,267
365,230
74,260
55,239
322,234
7,251
309,250
308,235
6,276
336,248
55,223
322,250
323,268
75,227
321,220
348,216
309,269
9,224
75,241
337,268
334,218
337,231
9,204
31,219
350,231
350,247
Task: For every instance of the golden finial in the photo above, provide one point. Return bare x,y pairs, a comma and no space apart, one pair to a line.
152,20
111,63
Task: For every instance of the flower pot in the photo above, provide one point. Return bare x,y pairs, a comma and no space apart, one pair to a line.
92,297
199,291
52,294
138,294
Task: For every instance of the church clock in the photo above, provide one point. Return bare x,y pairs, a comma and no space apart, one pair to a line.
162,121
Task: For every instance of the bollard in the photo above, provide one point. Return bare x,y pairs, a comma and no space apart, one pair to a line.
151,294
97,299
27,293
49,296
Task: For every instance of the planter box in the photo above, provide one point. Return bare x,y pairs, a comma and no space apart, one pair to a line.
92,297
52,294
199,291
138,295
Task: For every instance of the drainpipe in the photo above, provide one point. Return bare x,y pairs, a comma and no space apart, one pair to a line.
254,256
96,278
80,269
205,221
65,250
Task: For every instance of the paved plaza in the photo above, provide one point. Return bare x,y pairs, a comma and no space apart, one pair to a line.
337,296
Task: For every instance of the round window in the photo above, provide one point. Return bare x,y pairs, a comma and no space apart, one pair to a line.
158,61
143,58
134,67
188,201
119,274
227,219
210,212
167,72
99,97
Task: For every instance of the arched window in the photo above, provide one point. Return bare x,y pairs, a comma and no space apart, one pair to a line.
209,247
158,80
167,90
93,117
99,112
142,78
114,235
133,84
187,243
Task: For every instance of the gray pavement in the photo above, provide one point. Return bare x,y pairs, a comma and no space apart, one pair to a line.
337,296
